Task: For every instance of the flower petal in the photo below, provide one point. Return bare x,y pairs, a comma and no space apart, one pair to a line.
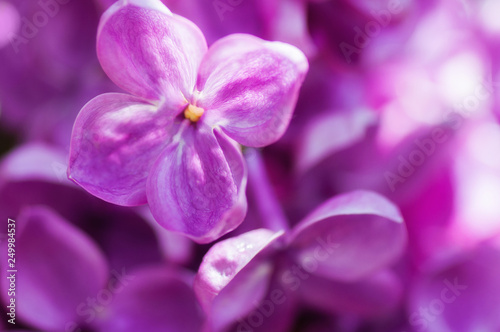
237,268
164,296
225,259
350,236
249,87
149,52
59,267
34,161
316,142
115,141
238,298
197,186
461,295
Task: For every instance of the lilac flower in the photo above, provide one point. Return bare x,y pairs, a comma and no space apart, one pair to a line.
445,197
171,143
48,65
158,299
43,284
64,283
34,175
334,260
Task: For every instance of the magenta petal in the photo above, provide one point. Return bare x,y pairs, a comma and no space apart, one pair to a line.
316,142
240,296
225,259
58,266
234,274
154,300
350,236
462,295
249,87
115,141
197,186
149,52
375,295
34,161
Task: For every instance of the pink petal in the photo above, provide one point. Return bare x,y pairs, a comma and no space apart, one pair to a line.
462,295
58,266
249,87
316,142
149,52
197,186
115,141
350,236
154,300
238,298
35,161
225,259
235,273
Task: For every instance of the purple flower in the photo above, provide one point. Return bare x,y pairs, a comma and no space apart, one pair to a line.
48,63
334,260
42,284
34,175
64,283
171,142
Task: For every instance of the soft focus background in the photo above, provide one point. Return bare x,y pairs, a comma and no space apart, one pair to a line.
402,98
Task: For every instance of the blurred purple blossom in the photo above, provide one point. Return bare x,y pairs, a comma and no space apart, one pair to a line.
317,261
53,295
49,60
34,175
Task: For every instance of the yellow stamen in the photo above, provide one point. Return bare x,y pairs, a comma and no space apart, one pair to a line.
193,113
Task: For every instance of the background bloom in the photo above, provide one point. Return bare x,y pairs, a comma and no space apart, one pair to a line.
317,262
401,100
57,296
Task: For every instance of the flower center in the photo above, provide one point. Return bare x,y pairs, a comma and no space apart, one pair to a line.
193,113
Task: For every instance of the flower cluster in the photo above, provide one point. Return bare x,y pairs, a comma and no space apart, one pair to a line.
249,165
